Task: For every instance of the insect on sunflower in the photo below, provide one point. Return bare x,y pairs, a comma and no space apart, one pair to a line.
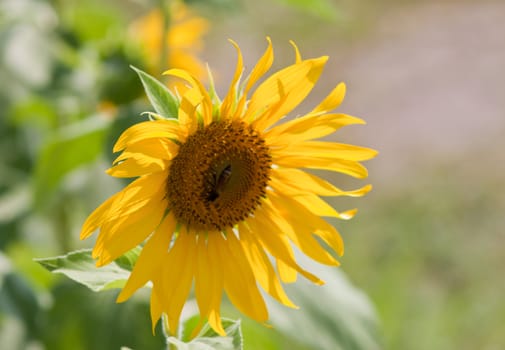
221,199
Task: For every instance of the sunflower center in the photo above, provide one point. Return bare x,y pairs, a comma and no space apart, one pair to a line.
219,176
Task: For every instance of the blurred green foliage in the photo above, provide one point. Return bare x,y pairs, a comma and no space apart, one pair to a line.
57,68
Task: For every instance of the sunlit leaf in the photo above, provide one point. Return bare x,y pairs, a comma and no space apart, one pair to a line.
80,267
208,339
161,98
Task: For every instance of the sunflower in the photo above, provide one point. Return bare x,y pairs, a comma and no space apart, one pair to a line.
221,198
183,39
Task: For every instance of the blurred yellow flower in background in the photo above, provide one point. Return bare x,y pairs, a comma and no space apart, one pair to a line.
182,39
221,193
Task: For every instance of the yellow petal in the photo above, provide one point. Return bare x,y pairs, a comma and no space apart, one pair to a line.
348,167
137,164
209,281
332,101
261,266
97,217
286,88
136,195
292,220
177,277
206,102
191,99
214,319
298,57
239,281
270,235
155,148
330,236
328,150
155,308
116,238
231,96
307,128
294,182
168,129
286,272
150,258
123,203
319,207
263,65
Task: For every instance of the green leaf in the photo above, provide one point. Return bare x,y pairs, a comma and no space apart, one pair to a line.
80,267
208,339
73,146
164,103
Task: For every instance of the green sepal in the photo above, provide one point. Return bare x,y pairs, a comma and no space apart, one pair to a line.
81,267
164,102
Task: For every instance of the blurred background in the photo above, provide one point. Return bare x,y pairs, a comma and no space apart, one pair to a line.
428,76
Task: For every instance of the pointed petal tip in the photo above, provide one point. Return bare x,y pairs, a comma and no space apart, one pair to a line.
342,87
168,71
220,331
214,320
153,325
233,42
355,120
122,297
324,59
85,233
291,305
101,263
348,214
374,153
298,56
